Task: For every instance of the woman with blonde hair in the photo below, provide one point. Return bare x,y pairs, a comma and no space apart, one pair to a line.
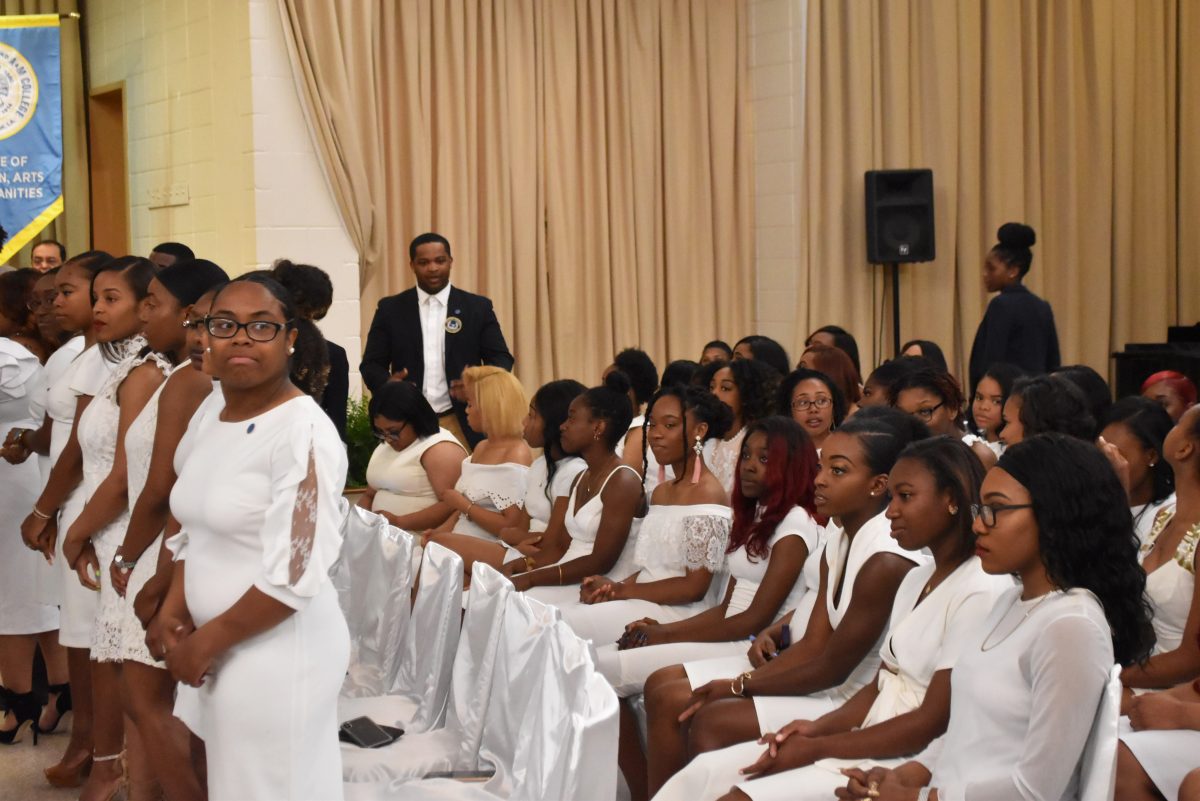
490,494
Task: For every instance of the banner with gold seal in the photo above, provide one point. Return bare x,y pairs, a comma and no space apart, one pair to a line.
31,148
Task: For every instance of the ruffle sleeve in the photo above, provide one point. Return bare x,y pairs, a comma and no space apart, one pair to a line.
17,368
302,530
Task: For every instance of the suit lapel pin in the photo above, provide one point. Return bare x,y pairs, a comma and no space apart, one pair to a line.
453,325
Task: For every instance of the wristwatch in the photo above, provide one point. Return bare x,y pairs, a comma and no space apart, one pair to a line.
122,563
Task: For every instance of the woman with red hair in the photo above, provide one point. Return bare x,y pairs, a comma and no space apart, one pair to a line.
1174,391
773,565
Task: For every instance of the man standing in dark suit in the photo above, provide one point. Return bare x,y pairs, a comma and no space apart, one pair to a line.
428,334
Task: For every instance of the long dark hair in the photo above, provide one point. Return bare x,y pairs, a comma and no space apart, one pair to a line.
791,470
1150,424
957,470
552,401
1085,532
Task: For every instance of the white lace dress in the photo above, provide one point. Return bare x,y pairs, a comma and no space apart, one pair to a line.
259,501
672,541
98,442
494,487
722,456
139,448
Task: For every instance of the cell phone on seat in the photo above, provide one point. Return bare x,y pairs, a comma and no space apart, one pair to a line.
366,733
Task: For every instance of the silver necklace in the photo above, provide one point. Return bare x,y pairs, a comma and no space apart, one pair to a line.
984,645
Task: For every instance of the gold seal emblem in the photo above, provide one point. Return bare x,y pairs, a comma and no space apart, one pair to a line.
18,91
453,325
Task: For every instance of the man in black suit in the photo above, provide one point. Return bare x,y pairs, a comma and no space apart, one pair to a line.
428,334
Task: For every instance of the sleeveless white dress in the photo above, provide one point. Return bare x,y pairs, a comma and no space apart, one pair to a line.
98,442
539,500
923,637
1171,586
259,502
400,481
1145,515
86,375
139,448
628,670
582,523
672,541
23,573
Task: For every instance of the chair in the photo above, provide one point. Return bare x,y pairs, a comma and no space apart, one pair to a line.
374,579
456,745
1098,765
416,701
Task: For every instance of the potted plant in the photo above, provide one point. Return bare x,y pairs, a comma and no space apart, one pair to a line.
360,444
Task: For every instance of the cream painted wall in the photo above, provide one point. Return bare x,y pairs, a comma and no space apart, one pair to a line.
211,108
777,86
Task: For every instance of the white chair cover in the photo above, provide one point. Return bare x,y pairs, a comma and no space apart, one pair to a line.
456,745
1098,767
373,577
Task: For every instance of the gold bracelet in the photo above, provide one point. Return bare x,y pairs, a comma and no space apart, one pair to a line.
467,511
560,578
39,513
529,564
740,690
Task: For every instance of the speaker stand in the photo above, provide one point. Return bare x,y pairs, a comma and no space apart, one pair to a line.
895,308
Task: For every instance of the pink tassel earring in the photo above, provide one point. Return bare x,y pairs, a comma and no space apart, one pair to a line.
699,449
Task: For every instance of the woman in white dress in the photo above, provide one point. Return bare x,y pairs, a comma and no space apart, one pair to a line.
814,401
1169,558
62,499
415,463
749,388
91,542
251,617
548,482
589,532
938,607
639,368
1159,753
681,542
1137,428
772,538
24,613
489,496
934,397
1026,687
150,442
839,651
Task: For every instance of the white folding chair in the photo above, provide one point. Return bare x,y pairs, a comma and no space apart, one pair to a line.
1098,766
373,577
455,746
417,701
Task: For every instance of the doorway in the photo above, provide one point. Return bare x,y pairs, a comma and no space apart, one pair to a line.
108,176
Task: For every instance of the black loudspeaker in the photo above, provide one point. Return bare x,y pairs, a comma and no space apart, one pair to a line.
899,216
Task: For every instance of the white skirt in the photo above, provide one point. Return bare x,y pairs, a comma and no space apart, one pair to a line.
1166,755
604,623
78,605
628,670
24,574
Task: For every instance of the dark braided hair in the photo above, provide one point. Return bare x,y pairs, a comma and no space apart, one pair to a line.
1085,532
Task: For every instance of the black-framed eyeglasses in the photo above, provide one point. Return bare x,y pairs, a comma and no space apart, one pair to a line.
819,402
388,436
987,512
257,330
926,414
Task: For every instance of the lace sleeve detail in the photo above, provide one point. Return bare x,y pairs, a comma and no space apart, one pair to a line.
304,522
499,498
704,540
132,357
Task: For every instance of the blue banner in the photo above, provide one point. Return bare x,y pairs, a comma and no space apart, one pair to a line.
30,128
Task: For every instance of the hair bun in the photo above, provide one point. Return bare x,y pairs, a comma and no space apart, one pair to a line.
1016,236
617,381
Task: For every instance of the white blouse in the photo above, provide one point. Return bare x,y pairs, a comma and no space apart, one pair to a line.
538,502
495,487
675,539
1022,710
748,575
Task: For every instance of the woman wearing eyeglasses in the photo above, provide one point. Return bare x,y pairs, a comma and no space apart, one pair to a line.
934,397
251,618
1024,692
416,463
813,400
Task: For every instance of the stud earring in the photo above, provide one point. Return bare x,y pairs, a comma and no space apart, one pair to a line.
291,351
953,510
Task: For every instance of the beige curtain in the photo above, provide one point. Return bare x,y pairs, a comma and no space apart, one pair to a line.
1079,117
589,161
73,227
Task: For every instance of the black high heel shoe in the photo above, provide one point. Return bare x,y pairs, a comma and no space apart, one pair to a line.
62,705
25,708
